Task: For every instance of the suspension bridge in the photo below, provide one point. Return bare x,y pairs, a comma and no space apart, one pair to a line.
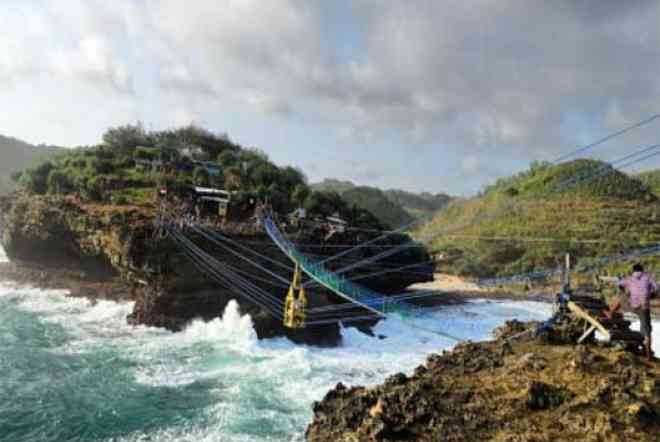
361,303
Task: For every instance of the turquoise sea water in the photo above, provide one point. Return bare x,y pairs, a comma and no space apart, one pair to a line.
73,371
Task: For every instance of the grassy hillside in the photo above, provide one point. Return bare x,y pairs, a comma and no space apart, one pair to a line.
651,179
419,204
400,208
333,185
376,202
529,221
16,155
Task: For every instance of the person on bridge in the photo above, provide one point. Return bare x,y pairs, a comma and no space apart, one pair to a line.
640,286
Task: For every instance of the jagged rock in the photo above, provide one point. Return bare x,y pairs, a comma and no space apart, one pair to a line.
473,393
541,396
532,361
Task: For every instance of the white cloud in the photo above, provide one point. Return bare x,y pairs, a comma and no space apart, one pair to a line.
470,164
481,77
184,117
93,59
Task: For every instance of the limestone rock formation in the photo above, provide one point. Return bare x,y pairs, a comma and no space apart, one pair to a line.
522,390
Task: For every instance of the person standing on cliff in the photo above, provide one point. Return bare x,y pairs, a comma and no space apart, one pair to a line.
640,286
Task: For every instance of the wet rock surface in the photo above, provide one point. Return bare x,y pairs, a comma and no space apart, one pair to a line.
114,252
514,390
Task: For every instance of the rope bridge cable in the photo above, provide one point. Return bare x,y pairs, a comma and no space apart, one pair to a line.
332,278
386,271
607,138
595,262
220,273
509,205
275,283
381,265
274,305
546,273
330,309
225,238
209,263
241,286
241,256
208,269
324,245
373,241
211,266
563,157
360,295
597,173
247,290
541,239
228,271
652,250
270,304
607,167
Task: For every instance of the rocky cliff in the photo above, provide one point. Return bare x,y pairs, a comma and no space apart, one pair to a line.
522,391
114,248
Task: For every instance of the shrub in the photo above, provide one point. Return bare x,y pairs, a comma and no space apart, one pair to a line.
201,176
126,137
59,182
101,166
120,200
36,180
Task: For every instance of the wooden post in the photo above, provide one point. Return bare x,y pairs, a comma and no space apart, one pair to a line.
567,275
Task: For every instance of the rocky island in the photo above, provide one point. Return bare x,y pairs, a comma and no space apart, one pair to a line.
84,220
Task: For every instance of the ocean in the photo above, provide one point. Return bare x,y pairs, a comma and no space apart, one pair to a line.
75,371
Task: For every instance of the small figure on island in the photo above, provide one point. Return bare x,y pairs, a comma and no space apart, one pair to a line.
298,217
640,286
259,213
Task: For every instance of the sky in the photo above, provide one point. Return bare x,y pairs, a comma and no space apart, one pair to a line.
423,95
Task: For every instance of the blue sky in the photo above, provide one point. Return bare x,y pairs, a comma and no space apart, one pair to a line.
423,95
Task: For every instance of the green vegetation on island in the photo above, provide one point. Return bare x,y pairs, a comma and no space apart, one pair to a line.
130,163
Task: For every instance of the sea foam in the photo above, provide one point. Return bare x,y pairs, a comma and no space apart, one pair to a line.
253,390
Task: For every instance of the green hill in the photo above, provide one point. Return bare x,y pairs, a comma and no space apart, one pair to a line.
528,222
651,179
333,185
16,155
375,201
419,204
403,206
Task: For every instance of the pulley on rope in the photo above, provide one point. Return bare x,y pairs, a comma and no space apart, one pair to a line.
295,304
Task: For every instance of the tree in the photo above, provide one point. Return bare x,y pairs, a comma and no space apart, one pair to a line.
201,176
59,182
127,137
16,176
36,180
326,203
228,158
264,174
233,178
101,166
300,194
